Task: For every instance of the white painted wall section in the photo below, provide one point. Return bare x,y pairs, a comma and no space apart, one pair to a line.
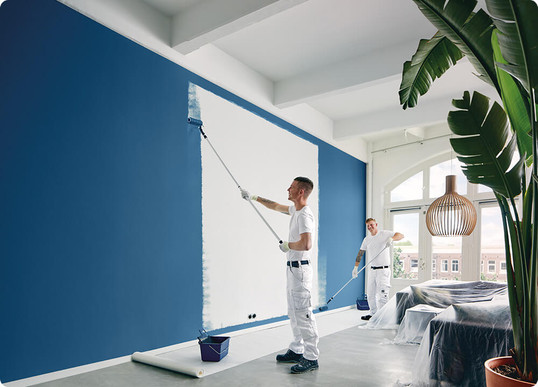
244,271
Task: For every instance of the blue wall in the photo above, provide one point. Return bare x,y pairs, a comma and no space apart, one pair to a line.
100,195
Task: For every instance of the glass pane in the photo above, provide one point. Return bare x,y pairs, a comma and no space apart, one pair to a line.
492,256
411,189
405,259
438,175
446,258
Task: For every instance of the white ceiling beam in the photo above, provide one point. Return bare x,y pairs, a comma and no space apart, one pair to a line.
429,111
353,74
426,113
206,21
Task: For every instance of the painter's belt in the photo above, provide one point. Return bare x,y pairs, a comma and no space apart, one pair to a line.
379,267
297,263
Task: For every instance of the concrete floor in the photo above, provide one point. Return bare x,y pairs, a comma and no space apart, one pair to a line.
351,357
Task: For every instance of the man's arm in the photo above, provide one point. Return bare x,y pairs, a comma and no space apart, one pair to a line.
274,206
397,236
303,244
355,272
359,257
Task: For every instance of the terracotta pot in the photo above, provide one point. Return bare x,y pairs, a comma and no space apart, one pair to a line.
494,379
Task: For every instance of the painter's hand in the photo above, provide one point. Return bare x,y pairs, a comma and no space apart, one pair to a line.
284,247
355,272
247,196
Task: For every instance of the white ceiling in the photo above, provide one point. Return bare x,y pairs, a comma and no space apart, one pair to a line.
341,57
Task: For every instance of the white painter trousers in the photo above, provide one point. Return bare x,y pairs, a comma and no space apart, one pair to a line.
378,288
302,320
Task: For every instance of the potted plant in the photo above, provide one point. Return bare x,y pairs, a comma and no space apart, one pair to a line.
502,45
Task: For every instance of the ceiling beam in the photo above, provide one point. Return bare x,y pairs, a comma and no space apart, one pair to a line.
352,74
206,21
429,111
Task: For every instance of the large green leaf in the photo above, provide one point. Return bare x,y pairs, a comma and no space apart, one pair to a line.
470,32
515,103
432,59
485,144
518,39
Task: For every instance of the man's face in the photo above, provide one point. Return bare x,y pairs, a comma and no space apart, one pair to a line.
372,227
293,191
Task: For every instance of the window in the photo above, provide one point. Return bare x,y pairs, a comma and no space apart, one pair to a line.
406,202
449,250
406,222
438,175
411,189
492,243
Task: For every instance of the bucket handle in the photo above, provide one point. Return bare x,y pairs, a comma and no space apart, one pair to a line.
204,334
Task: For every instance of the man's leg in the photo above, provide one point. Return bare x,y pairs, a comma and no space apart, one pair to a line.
306,322
383,285
371,292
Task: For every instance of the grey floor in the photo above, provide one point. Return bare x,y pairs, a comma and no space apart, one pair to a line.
352,357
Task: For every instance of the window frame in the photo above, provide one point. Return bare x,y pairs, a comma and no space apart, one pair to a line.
471,247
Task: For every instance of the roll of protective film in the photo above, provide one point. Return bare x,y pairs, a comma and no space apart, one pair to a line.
167,364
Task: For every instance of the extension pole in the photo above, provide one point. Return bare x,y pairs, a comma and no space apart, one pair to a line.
198,123
352,278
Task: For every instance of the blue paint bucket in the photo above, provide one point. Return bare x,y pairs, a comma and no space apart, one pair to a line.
213,348
362,305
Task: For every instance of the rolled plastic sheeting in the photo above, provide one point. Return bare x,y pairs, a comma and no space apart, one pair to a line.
167,364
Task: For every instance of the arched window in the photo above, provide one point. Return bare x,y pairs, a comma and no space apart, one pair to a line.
419,256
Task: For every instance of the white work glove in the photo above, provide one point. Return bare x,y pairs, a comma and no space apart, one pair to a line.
284,247
247,196
389,242
355,272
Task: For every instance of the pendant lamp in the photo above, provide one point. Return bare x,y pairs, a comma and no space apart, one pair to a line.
451,214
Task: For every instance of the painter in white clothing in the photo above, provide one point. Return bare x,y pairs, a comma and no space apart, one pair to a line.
304,347
376,246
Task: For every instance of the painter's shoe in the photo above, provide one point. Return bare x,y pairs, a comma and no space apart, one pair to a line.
289,357
367,317
304,365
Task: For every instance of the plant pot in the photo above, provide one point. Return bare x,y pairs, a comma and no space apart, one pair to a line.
494,379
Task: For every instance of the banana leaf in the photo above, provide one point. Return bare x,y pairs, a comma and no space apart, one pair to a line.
515,103
518,39
470,32
485,144
432,59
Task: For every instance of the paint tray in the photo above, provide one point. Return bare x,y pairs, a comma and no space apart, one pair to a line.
362,305
213,348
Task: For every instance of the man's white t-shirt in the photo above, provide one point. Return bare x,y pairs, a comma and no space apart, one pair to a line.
372,245
301,221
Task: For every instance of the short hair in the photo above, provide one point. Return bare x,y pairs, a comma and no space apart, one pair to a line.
370,220
306,184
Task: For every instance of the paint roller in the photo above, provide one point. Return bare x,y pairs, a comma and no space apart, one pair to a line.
199,124
326,306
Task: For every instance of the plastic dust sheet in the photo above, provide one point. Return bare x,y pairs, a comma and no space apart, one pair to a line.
459,325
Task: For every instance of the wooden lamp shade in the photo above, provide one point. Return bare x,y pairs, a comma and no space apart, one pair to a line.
451,214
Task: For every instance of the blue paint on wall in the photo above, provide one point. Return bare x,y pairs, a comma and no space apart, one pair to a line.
100,195
342,215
